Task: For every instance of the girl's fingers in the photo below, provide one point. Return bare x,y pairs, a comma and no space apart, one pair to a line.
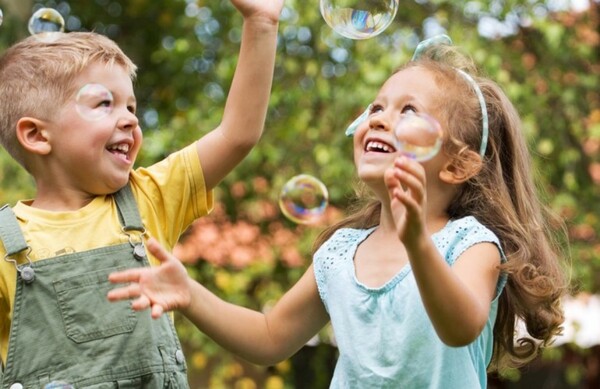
124,293
157,250
130,275
140,303
157,311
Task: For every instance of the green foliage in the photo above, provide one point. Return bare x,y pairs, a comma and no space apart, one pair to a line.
187,50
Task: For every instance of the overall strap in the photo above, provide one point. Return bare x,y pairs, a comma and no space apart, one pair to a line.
128,210
10,232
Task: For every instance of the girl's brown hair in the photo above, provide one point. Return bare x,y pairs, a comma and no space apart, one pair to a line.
503,197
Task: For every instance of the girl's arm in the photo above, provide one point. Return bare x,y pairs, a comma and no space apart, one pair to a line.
261,338
458,298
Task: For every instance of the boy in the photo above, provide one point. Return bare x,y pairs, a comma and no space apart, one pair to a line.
67,115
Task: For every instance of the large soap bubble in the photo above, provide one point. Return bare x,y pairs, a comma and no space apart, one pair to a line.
359,19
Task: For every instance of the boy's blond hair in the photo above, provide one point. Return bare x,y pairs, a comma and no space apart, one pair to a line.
37,77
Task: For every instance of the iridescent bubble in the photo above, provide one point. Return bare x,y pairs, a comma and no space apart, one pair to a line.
46,23
418,136
94,101
1,16
303,199
359,19
59,385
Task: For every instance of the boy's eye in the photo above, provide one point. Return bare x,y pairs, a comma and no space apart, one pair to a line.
94,101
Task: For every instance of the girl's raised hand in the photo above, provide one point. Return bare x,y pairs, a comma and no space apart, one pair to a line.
161,288
405,181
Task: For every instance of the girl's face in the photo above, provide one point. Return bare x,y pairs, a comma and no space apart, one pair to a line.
407,91
94,152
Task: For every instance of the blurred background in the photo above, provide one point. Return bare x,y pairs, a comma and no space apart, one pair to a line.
545,54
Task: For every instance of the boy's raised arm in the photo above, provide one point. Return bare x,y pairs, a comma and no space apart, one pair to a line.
224,148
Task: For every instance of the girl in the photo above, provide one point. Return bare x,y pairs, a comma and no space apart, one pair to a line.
425,282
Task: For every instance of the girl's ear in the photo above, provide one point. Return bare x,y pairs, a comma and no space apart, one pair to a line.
33,136
460,169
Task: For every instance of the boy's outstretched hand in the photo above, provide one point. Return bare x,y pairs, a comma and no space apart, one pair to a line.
161,288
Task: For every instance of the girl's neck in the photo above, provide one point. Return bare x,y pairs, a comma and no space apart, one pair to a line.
435,220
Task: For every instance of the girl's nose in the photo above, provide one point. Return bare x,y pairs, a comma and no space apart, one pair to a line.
381,121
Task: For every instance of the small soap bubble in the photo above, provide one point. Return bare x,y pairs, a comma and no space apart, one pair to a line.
303,199
418,136
59,385
359,19
46,23
94,101
1,16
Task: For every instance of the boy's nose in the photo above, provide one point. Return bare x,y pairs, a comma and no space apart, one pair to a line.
128,120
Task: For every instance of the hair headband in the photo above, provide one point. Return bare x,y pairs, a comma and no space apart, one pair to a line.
421,48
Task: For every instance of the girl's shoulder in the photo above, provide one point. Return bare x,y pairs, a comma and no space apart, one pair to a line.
460,234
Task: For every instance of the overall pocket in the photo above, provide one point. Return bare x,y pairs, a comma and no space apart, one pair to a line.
87,314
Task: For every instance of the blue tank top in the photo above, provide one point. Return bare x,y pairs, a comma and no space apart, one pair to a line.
384,336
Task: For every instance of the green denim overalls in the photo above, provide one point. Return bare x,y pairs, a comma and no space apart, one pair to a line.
65,330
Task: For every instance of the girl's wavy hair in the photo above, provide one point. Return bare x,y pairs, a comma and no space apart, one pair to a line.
503,197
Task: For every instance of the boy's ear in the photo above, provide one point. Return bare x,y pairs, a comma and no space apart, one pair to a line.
33,136
459,170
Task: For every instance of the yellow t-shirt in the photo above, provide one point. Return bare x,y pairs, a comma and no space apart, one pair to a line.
170,195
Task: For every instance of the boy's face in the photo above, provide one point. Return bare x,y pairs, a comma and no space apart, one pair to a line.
94,140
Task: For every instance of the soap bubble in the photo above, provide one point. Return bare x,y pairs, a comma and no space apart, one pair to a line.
58,385
1,16
94,101
359,19
418,136
303,199
46,23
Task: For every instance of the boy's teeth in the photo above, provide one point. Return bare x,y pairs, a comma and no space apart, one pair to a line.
120,147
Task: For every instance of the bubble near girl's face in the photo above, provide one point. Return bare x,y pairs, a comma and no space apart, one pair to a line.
45,22
359,19
94,101
303,199
418,136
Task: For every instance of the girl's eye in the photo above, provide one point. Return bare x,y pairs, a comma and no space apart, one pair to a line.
375,109
409,109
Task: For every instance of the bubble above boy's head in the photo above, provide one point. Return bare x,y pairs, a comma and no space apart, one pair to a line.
303,199
359,19
94,102
46,24
418,136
